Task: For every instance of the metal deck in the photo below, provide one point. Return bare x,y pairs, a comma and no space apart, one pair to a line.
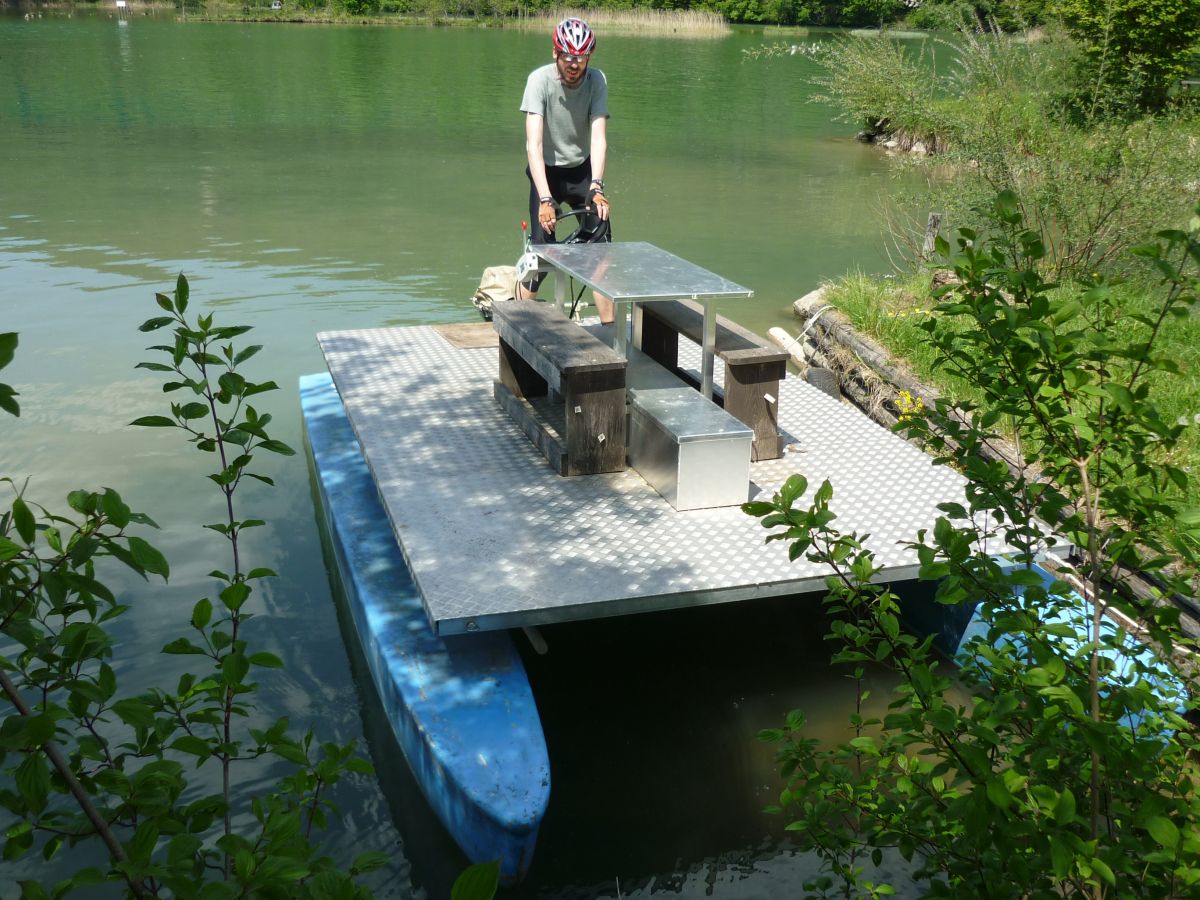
495,539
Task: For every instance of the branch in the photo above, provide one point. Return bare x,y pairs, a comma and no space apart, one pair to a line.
55,755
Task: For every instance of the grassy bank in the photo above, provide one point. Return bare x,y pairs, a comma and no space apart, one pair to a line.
659,23
891,310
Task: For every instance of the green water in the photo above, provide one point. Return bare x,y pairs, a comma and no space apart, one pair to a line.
309,178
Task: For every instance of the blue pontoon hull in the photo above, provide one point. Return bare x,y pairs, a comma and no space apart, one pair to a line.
954,626
461,707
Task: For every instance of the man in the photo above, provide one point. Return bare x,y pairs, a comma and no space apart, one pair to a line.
566,139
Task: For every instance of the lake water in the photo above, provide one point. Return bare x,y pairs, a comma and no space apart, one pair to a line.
309,178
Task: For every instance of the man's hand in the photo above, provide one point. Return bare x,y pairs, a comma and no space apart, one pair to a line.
547,216
598,202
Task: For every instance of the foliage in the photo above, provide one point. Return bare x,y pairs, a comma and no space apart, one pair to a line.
1067,766
477,882
875,83
86,762
1009,15
1142,46
870,12
8,347
996,114
664,12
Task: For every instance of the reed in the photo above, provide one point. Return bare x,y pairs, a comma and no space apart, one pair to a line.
688,23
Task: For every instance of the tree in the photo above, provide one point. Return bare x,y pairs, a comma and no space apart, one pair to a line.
86,763
1069,768
1138,46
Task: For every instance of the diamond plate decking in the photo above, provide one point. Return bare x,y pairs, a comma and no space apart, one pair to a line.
495,539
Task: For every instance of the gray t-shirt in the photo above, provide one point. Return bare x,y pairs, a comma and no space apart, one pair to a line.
567,135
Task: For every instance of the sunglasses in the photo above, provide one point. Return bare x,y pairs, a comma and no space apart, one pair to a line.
574,57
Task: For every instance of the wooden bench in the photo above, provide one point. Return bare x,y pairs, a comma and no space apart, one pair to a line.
545,354
753,367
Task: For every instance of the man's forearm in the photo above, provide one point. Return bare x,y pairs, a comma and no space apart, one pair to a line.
537,171
599,148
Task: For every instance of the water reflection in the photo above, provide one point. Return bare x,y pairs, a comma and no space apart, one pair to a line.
311,179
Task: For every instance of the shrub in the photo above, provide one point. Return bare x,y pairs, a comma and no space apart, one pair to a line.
1067,767
1133,48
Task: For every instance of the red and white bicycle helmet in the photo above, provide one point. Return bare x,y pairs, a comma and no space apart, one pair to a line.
575,37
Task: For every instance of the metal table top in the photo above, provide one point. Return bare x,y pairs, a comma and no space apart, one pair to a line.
495,539
637,272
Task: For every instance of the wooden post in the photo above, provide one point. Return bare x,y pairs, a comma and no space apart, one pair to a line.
931,233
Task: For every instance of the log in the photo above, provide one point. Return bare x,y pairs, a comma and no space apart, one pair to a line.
827,324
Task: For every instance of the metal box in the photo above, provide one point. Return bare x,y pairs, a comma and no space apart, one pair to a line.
689,449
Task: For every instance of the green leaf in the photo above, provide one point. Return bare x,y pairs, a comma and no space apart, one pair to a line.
245,353
252,389
150,559
7,403
182,646
154,367
20,839
154,422
1062,857
193,745
758,508
998,793
1164,831
193,411
291,752
369,862
23,732
202,613
134,713
1064,809
1101,867
144,840
235,595
1119,395
106,681
24,521
114,507
156,323
8,347
8,549
232,382
234,668
181,294
32,778
277,447
266,660
477,882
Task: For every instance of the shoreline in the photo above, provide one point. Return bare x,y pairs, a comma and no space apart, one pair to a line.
658,23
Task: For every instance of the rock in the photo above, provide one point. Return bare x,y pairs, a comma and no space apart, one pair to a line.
941,278
919,148
891,143
865,137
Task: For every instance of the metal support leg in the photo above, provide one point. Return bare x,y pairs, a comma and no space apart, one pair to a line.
619,328
560,291
708,347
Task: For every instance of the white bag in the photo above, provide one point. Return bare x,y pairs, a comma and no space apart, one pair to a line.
499,283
